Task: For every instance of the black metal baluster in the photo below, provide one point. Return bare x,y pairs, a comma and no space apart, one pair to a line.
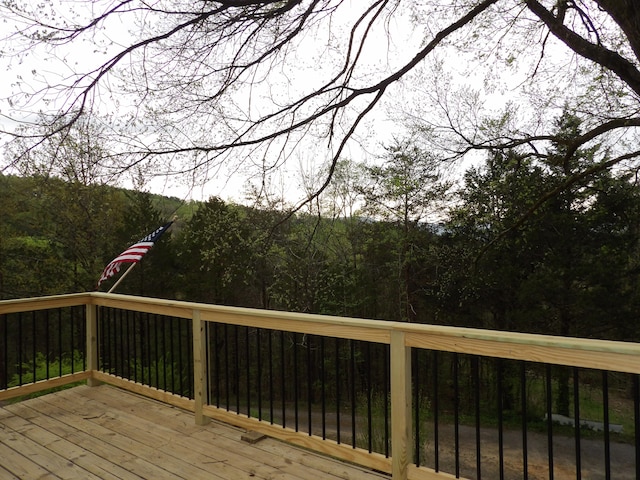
456,412
143,341
416,403
435,412
101,340
172,347
217,344
271,386
227,366
576,416
236,363
369,393
189,350
323,388
104,357
523,400
180,357
295,380
248,369
156,353
309,384
387,391
147,328
106,320
20,355
112,341
353,392
128,342
135,341
259,372
282,381
83,339
500,371
47,353
605,408
475,366
151,347
207,353
108,360
549,421
167,356
121,344
338,381
59,342
636,417
34,347
71,342
5,350
157,358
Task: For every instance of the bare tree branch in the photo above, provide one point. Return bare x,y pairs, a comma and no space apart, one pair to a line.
190,60
599,54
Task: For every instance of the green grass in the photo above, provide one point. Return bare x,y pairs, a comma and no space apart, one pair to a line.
46,370
162,374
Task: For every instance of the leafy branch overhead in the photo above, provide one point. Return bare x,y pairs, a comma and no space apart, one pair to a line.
201,87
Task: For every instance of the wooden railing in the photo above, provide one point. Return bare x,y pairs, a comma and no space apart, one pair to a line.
406,390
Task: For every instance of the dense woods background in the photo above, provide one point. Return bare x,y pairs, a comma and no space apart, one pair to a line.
395,241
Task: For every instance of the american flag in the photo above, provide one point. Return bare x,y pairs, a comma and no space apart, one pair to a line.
133,254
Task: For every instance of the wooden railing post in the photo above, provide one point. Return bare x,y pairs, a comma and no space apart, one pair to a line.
92,342
199,367
400,405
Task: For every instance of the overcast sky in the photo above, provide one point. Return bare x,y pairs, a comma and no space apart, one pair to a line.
31,71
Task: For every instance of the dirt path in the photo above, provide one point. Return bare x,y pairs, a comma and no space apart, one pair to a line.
564,457
592,456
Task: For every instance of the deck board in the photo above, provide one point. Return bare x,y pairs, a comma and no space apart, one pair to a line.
106,433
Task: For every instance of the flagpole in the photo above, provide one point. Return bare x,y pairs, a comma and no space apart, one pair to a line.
122,277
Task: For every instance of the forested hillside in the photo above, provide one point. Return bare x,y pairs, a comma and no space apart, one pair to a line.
504,253
56,236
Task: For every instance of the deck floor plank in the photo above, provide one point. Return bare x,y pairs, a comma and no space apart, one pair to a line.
300,463
158,440
20,466
7,475
63,448
92,441
84,449
16,435
106,433
142,460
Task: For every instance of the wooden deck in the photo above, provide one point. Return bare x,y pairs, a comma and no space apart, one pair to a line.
106,433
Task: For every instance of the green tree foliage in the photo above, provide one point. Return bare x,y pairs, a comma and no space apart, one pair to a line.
561,270
156,275
407,190
215,254
493,199
70,205
81,226
303,277
52,232
501,259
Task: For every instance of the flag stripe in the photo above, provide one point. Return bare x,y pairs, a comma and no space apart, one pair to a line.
133,254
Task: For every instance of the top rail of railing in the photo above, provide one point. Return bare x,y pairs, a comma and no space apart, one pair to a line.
579,352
